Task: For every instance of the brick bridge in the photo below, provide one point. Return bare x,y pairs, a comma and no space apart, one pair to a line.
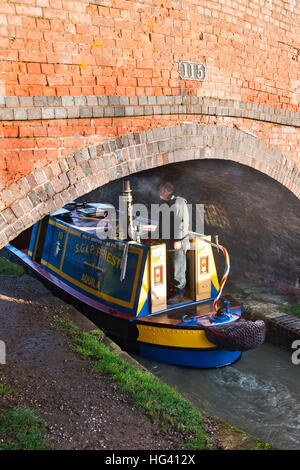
90,91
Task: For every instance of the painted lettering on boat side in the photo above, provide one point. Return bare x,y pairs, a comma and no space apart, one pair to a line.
90,281
99,252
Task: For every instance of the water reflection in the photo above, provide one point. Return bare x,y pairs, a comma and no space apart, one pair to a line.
260,394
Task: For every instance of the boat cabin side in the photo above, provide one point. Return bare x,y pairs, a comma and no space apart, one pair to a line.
74,245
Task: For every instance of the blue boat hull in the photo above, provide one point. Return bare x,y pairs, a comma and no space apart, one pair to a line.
202,359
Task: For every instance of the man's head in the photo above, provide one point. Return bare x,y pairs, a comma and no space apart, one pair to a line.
166,190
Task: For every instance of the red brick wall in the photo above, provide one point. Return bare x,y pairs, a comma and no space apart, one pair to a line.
124,47
27,146
78,73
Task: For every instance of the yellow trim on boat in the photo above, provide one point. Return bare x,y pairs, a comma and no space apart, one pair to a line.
86,288
145,287
173,337
64,251
66,229
93,266
213,272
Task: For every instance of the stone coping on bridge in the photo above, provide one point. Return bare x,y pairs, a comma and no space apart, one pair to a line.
23,108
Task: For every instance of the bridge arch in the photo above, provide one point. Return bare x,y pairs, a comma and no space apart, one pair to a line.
49,188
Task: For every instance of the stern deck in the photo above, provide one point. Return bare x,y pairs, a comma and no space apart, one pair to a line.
173,315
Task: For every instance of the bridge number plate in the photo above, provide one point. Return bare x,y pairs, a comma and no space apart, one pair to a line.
192,71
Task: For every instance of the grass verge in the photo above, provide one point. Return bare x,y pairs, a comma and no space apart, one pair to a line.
20,429
5,391
172,413
11,269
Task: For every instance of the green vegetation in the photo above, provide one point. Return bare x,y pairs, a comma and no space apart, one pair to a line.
5,391
235,439
168,409
11,269
291,309
21,429
263,446
64,325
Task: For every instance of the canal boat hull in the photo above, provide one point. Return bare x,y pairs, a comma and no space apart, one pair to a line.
125,332
121,287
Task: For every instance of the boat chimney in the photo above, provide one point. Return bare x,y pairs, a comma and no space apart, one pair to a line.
127,195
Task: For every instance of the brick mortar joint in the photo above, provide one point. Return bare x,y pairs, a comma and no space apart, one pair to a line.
18,108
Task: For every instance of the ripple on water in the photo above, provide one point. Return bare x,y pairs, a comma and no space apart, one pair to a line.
259,394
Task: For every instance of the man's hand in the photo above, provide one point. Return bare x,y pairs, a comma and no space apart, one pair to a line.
177,245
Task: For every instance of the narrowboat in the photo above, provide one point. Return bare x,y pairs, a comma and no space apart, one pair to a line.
120,283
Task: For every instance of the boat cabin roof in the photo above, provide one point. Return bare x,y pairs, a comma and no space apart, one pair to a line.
97,218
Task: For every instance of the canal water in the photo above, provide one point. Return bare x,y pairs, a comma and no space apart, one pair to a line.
259,394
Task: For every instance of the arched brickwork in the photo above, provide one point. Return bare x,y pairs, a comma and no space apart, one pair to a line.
67,178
